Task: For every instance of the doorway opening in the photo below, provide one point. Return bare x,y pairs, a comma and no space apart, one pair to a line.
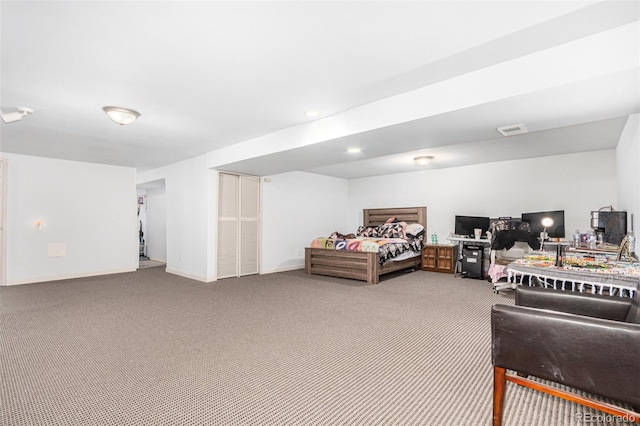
152,224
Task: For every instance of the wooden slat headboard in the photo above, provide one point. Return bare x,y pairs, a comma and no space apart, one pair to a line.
375,217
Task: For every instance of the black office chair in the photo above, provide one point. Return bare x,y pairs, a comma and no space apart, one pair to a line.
510,240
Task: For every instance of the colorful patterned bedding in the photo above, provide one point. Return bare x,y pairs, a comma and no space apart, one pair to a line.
387,248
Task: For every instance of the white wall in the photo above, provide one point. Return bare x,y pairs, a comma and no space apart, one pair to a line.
296,208
628,159
88,208
575,183
91,208
156,226
188,216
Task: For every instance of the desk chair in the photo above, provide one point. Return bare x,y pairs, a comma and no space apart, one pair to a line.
510,240
588,342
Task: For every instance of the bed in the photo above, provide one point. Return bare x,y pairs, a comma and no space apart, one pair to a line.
365,265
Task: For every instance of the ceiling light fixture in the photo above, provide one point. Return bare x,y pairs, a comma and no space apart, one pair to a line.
424,160
354,150
514,129
10,117
312,113
121,115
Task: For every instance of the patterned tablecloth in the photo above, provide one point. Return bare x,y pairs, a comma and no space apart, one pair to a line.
621,279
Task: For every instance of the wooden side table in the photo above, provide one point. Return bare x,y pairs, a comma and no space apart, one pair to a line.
440,258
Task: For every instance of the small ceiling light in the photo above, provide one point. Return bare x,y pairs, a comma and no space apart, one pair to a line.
354,150
121,115
424,160
514,129
10,117
312,113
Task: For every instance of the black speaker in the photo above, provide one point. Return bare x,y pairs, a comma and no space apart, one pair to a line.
472,262
614,225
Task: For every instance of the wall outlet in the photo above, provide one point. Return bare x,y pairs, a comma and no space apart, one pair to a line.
299,253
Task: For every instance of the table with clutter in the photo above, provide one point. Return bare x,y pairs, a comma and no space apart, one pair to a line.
582,270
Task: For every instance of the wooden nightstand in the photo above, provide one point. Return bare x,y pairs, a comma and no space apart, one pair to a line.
439,258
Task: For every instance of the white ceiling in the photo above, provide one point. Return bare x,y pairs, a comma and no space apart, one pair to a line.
397,79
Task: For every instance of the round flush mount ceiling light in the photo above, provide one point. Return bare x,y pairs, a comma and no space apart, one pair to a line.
312,113
424,160
121,115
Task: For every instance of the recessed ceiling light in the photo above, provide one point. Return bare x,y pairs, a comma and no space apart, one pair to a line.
354,150
513,129
312,113
423,160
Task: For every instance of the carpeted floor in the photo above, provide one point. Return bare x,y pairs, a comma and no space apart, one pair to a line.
151,348
148,263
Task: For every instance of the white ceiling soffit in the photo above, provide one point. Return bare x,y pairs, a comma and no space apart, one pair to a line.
231,80
591,136
606,102
152,185
546,88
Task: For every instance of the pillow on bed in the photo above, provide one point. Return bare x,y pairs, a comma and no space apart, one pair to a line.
414,230
392,230
367,231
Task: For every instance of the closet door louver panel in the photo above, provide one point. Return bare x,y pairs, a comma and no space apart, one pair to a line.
249,198
227,249
248,247
249,224
228,196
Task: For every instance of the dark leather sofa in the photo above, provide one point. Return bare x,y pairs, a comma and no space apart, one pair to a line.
587,342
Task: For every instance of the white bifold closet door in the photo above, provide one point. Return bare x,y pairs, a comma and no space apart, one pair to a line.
238,225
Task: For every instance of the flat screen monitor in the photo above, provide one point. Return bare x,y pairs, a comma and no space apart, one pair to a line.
535,221
465,225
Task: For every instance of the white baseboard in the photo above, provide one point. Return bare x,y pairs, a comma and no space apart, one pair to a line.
120,271
285,269
68,276
182,274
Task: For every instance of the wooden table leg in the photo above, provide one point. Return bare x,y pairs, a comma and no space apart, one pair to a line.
499,387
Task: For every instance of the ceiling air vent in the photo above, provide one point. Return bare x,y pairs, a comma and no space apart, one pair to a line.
514,129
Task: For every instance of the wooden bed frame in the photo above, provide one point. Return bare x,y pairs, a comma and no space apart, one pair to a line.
359,265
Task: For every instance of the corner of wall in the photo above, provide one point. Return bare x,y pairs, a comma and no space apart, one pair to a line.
628,174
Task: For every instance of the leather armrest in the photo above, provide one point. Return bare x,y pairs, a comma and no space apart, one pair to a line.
592,354
592,305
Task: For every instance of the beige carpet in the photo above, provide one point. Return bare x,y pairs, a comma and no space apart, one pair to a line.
148,263
150,348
